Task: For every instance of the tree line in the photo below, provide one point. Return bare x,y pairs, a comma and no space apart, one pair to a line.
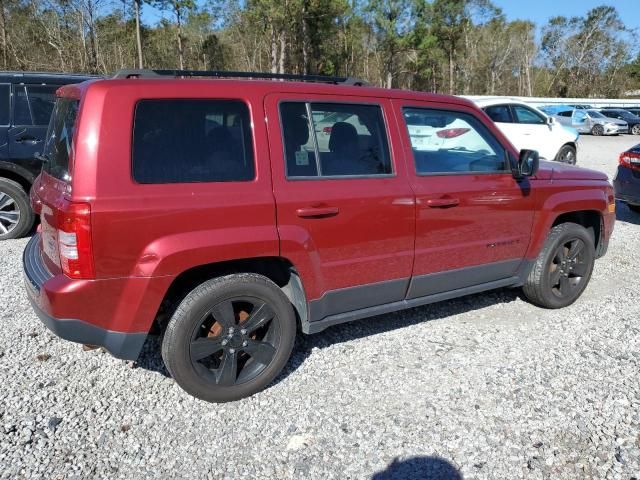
447,46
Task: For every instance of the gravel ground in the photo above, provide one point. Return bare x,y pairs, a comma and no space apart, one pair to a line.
486,386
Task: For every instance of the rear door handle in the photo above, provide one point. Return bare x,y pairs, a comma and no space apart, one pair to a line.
443,202
28,138
317,212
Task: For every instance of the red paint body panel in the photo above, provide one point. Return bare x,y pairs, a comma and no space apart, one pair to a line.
143,236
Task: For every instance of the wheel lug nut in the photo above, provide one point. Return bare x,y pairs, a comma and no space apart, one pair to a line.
232,350
243,331
245,343
225,341
231,330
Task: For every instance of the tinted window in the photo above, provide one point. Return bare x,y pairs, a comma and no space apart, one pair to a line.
565,114
526,115
327,139
33,104
452,142
499,113
59,143
184,141
5,90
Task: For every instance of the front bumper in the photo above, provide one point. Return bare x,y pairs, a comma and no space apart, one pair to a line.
43,288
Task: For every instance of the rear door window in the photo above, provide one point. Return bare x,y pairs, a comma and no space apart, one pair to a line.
33,104
58,145
192,140
499,113
334,140
448,142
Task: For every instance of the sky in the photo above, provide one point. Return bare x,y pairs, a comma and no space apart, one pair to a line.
539,11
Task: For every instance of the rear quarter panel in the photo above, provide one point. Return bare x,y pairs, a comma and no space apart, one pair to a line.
162,230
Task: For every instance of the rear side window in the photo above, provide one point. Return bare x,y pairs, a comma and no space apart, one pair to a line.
334,140
59,143
33,104
187,141
447,142
499,113
5,90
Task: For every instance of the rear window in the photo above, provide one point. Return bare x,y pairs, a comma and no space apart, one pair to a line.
59,143
187,141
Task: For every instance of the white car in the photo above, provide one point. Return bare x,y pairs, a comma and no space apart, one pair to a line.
528,128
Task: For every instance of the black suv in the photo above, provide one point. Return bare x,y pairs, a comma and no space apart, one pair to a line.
26,102
632,119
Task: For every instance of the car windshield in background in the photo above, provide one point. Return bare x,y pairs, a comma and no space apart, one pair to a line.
596,114
59,142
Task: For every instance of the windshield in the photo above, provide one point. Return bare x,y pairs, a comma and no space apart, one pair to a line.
59,143
595,114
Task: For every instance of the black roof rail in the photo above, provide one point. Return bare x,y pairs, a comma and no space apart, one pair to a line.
145,73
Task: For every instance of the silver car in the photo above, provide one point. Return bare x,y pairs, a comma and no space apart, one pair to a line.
592,121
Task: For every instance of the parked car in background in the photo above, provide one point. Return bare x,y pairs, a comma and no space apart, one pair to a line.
171,205
634,110
529,128
26,102
627,180
592,121
632,120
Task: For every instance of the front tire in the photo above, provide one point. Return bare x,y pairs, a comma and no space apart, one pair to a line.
567,154
230,337
563,268
16,216
597,130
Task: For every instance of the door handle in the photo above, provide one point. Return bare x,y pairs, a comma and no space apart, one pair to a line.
443,202
317,212
28,138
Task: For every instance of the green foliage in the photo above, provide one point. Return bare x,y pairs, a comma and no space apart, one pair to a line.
457,46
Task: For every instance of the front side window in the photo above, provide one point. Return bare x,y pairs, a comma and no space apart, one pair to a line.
329,139
499,113
187,141
33,104
58,145
447,142
579,116
526,115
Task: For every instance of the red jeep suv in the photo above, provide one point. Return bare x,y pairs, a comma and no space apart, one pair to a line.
228,214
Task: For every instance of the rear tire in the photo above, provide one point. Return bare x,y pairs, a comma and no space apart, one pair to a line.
567,154
597,130
230,337
563,268
16,217
636,129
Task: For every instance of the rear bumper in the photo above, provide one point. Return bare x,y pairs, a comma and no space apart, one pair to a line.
115,314
626,185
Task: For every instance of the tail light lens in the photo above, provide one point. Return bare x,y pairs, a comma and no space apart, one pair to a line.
630,160
74,241
452,132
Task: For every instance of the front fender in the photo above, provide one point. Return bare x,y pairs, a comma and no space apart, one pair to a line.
566,199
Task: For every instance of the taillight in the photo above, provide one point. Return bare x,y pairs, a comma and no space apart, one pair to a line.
452,132
630,160
74,241
326,130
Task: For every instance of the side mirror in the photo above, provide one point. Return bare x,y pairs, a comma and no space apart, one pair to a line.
551,120
528,164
